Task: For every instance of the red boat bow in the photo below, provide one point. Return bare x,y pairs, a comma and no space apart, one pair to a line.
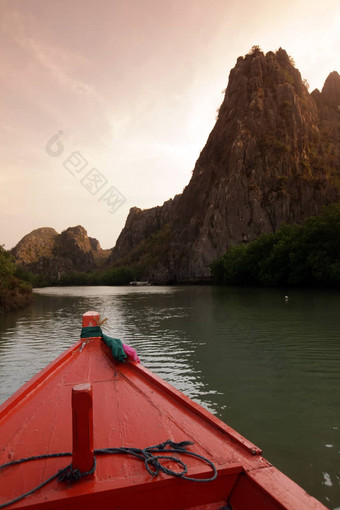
126,405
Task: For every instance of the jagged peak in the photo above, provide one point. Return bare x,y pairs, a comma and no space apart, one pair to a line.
255,51
331,90
258,74
283,56
333,77
280,54
135,210
78,229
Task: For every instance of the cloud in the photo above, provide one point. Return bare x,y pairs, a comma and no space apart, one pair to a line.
61,64
47,58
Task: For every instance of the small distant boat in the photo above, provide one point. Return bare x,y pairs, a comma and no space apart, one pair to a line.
140,283
114,420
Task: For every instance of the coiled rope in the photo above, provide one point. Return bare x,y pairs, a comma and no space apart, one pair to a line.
152,461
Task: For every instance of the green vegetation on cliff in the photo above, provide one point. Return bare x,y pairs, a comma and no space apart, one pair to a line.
296,255
15,293
150,252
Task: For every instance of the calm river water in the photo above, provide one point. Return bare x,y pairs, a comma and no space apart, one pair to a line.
268,367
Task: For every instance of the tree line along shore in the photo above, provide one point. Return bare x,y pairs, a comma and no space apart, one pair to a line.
295,255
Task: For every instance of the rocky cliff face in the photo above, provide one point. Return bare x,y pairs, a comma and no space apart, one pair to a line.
46,252
272,157
140,225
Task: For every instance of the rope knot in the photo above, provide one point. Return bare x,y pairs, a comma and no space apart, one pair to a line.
69,475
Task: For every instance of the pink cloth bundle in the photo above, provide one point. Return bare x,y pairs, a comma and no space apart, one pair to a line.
131,353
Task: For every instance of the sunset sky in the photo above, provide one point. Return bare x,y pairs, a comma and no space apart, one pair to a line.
132,88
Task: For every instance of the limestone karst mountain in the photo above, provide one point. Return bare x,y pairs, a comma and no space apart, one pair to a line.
45,252
273,156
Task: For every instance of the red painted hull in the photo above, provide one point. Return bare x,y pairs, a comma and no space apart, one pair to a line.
133,408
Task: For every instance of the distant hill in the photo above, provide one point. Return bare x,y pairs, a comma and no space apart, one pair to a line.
272,157
45,252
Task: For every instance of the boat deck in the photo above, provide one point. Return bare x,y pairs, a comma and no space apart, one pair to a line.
132,408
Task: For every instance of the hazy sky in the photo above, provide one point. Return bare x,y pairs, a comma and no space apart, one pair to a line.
132,88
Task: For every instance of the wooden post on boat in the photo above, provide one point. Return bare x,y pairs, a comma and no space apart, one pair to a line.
82,414
82,428
90,319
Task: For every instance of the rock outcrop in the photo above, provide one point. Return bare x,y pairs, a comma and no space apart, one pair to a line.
272,157
37,244
48,253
